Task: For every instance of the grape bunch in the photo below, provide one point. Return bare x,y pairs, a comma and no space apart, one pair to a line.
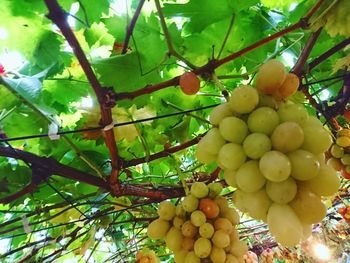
146,256
267,256
250,257
337,19
201,228
340,153
273,153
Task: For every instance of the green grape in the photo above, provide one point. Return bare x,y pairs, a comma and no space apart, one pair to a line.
308,206
312,121
249,177
188,229
213,141
232,215
198,218
239,248
199,189
166,210
263,120
326,183
202,155
287,137
230,177
173,239
316,140
275,166
243,99
234,236
232,156
284,225
218,255
221,239
222,203
178,222
345,159
190,203
180,211
293,112
256,144
233,129
188,243
158,228
214,189
219,112
179,256
337,151
282,192
192,258
202,247
224,224
305,165
267,101
270,76
231,259
206,230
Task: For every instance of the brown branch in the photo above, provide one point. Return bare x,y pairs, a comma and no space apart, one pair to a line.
162,154
298,68
26,190
132,26
329,53
160,194
214,175
105,97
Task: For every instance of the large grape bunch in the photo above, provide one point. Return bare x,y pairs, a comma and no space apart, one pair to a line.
201,228
273,153
337,19
340,153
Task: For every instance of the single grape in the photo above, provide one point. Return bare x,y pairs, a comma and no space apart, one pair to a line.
284,225
337,151
198,218
289,86
202,247
263,120
221,239
218,255
173,239
199,189
206,230
287,137
275,166
232,156
212,141
178,222
233,129
188,229
189,83
191,257
158,228
335,163
316,140
270,76
224,224
230,177
256,144
243,99
214,189
179,256
305,165
188,243
282,192
202,155
249,178
231,259
345,160
190,203
326,183
219,112
343,141
166,210
292,112
239,248
209,208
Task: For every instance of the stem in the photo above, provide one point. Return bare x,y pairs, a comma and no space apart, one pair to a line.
227,35
132,26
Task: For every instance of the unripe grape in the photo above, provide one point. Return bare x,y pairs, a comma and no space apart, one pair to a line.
158,228
345,159
214,189
263,120
188,243
221,239
223,224
326,183
282,192
239,248
233,129
166,210
222,203
190,203
231,259
275,166
292,112
270,76
249,177
212,141
192,258
287,137
230,177
206,230
218,255
256,144
234,236
232,156
337,151
198,218
316,140
178,222
343,141
188,229
199,189
173,239
335,163
202,247
179,256
219,112
232,215
305,165
202,155
243,99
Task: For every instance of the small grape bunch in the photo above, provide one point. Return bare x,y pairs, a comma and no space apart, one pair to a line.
267,256
250,257
345,213
200,228
146,256
273,153
340,153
